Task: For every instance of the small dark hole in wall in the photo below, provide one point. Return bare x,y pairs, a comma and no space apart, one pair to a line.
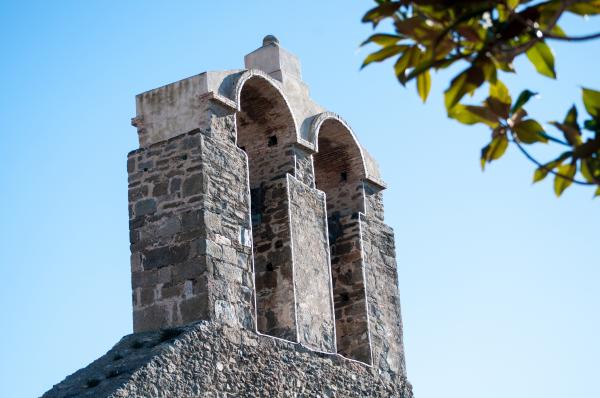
270,267
343,176
137,345
183,157
145,169
91,383
345,297
112,373
278,244
272,140
169,334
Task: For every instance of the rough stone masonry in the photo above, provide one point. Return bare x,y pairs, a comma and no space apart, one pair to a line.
260,261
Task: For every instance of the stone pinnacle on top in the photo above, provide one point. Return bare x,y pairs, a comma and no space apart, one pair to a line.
270,39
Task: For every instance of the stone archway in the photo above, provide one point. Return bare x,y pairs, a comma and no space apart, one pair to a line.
265,131
339,172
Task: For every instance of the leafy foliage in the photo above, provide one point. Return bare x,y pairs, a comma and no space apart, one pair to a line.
485,37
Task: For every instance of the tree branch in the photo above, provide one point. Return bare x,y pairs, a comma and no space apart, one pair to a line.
553,139
549,170
552,36
515,51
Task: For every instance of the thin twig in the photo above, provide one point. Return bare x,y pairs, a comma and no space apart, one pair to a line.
552,36
553,139
543,166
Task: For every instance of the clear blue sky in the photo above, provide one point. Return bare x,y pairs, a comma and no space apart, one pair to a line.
499,280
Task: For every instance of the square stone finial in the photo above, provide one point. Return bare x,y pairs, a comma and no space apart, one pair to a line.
274,60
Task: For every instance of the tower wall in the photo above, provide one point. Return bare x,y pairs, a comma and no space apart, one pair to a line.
268,215
251,209
385,321
312,273
190,233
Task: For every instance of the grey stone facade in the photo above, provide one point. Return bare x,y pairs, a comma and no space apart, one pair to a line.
256,219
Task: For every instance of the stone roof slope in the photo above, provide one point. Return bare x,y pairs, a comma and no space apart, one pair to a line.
209,360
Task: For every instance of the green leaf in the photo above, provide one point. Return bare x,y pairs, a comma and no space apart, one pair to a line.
499,91
572,134
384,10
570,128
558,31
382,39
456,91
585,171
415,27
522,100
542,58
529,131
498,107
503,66
591,100
473,114
585,8
423,66
484,115
494,150
489,72
462,114
541,172
571,118
409,58
424,85
383,54
512,4
462,84
592,125
561,183
597,193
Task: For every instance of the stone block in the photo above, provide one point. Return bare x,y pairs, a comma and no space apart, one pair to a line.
193,185
160,188
174,185
169,227
136,262
145,206
206,247
230,255
190,269
147,318
193,220
156,258
245,237
227,272
225,313
194,308
171,290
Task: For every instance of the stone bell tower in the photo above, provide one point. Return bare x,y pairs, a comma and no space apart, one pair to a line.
256,218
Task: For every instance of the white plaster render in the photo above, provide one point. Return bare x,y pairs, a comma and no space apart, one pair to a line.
179,107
